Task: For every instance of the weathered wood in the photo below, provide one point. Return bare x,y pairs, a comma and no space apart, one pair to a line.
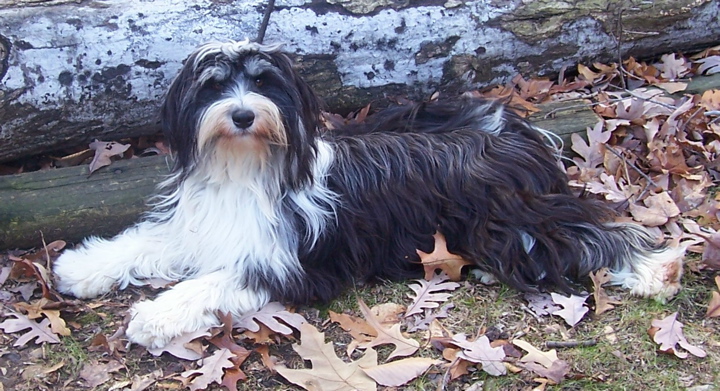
72,71
66,204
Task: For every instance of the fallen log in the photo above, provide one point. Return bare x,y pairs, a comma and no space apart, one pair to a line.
68,204
72,71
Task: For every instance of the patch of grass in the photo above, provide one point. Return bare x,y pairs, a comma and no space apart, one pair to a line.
70,351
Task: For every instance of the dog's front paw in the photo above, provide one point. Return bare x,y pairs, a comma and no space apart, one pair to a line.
81,274
155,323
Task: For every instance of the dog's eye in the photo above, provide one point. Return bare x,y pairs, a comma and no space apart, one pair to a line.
259,82
216,85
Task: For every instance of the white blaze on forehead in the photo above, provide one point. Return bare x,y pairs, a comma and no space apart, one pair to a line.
232,50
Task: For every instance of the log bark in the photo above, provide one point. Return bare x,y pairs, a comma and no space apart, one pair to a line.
75,70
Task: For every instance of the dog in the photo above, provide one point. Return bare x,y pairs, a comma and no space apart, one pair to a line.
261,205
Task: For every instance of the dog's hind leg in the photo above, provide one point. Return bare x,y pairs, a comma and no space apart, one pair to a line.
95,267
191,305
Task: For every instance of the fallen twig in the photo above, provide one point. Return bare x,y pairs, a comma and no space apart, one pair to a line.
569,344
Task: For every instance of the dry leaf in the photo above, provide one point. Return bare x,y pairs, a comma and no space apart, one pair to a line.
40,332
541,303
211,370
603,302
442,259
403,346
668,333
270,316
714,305
546,364
574,308
480,352
104,150
183,346
592,152
95,373
400,372
428,294
39,308
328,371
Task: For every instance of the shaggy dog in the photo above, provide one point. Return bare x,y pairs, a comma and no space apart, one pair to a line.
262,206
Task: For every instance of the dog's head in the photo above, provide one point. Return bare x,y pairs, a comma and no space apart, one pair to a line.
242,96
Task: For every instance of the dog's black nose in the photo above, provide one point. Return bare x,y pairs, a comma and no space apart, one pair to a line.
243,119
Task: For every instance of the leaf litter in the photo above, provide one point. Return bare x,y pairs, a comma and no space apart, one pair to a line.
652,156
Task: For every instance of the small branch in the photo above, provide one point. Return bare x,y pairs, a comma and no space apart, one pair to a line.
265,21
569,344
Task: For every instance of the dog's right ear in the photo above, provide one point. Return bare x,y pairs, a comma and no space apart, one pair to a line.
178,118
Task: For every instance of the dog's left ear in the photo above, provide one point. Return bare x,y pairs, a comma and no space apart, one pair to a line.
304,121
309,105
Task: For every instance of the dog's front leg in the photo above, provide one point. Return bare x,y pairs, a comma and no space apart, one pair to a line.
98,264
190,306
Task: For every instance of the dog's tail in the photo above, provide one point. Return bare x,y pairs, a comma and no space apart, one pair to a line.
634,257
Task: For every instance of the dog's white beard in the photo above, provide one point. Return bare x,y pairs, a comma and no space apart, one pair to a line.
223,231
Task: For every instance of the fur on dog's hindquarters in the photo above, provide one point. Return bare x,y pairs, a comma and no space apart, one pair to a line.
488,181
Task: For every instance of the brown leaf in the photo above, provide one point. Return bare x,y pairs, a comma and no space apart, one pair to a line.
104,150
574,308
668,333
358,328
400,372
274,316
184,346
226,341
535,355
592,152
541,303
603,302
39,308
95,373
403,346
480,352
211,370
442,259
328,371
428,294
40,332
714,305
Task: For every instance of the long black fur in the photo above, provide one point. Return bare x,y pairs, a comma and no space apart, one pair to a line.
467,168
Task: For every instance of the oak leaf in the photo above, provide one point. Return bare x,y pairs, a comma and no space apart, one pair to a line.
541,303
423,322
442,259
574,308
397,373
104,151
403,346
183,346
274,316
480,352
225,340
603,302
668,333
429,294
328,371
714,305
358,328
211,370
592,152
546,364
95,373
40,332
38,308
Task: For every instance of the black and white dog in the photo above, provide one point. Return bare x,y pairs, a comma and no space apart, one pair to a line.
261,206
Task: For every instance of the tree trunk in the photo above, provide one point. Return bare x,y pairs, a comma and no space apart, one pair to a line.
74,70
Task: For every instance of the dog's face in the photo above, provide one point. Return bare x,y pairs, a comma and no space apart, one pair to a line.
242,96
